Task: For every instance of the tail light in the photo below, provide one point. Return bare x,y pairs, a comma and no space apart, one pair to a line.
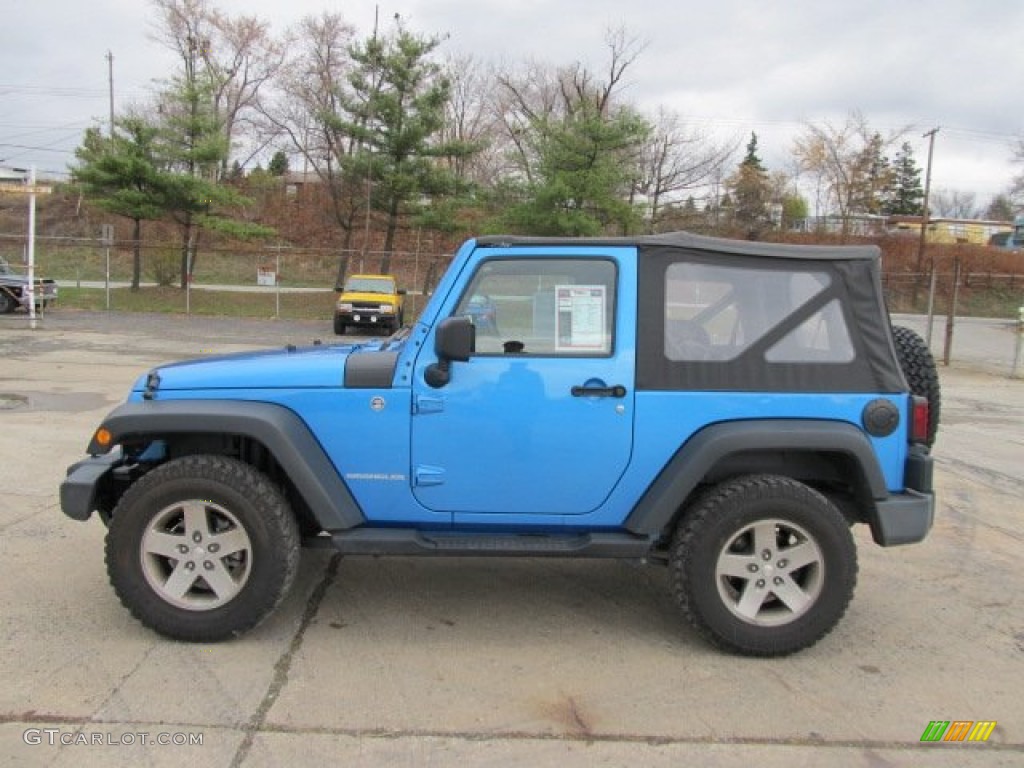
919,420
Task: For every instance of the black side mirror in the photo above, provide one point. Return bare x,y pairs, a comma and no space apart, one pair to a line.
455,341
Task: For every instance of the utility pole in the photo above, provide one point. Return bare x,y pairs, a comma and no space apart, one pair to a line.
371,97
110,77
930,135
927,189
31,287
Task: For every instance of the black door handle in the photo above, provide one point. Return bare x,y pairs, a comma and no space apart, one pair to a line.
617,391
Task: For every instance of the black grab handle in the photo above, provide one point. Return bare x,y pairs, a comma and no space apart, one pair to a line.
617,391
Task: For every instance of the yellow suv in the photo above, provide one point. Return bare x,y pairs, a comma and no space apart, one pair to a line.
372,301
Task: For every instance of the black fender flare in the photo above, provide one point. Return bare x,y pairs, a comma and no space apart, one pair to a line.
698,456
284,435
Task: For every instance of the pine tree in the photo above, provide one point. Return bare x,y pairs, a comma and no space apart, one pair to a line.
123,176
584,165
905,195
751,159
751,189
192,148
872,177
394,113
278,165
1000,209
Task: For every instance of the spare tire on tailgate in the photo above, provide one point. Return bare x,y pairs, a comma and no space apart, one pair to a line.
921,373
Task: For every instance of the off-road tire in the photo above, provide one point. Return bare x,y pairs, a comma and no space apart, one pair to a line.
719,552
921,373
188,505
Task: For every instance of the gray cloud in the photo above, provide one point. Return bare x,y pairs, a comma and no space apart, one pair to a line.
730,66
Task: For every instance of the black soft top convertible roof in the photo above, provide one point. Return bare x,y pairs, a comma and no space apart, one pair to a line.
856,284
693,242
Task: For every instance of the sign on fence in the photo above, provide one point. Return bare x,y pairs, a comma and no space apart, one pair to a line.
266,276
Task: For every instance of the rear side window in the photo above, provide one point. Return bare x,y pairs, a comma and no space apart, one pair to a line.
719,313
542,307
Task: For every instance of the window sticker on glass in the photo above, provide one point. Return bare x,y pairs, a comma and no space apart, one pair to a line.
580,318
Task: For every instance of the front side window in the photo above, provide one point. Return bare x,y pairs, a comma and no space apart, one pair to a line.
542,307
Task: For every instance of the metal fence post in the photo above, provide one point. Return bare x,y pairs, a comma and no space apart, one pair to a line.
1015,372
107,238
951,317
931,306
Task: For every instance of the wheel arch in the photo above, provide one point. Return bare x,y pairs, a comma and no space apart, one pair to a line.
201,426
820,453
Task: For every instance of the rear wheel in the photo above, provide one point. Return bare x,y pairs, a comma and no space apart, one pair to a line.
921,373
763,565
339,326
202,548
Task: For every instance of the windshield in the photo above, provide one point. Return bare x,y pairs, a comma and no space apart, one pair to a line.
370,285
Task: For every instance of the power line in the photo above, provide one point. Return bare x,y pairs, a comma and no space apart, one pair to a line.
39,149
40,130
44,148
50,90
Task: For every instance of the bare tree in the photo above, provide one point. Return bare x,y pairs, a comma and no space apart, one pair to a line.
307,95
1016,192
542,93
471,119
241,60
675,160
232,58
843,161
576,144
191,135
953,204
523,99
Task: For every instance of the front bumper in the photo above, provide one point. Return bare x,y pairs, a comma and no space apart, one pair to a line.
44,296
365,318
80,491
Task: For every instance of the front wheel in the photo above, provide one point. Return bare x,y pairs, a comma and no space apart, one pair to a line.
339,326
202,548
763,565
7,302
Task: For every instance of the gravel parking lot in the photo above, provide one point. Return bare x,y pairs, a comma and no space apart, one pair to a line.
416,662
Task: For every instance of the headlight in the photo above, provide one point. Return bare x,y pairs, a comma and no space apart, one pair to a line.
344,306
387,308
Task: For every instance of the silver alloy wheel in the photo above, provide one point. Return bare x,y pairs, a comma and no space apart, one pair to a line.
770,572
196,555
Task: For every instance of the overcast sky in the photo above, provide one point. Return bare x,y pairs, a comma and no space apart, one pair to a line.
727,66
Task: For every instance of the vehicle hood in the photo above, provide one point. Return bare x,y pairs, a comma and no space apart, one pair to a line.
369,298
289,368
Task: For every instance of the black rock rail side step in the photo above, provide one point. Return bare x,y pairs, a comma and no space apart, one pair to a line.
395,541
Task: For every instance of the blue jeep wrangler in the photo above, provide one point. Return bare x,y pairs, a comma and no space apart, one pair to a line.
728,409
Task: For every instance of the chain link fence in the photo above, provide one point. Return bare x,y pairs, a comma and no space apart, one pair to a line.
263,280
280,281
